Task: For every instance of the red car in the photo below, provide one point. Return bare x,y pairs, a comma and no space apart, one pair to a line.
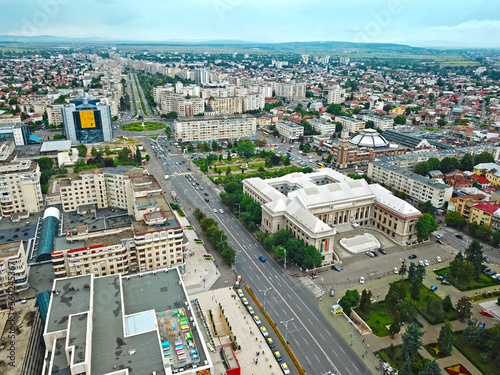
238,279
486,313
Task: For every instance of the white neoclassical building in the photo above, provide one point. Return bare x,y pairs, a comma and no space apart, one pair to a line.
312,205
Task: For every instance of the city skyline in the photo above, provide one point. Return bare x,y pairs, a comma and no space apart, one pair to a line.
420,24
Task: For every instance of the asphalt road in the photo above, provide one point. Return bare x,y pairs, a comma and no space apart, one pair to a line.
316,345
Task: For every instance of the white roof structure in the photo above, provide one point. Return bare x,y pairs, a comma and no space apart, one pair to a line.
334,193
50,146
393,203
369,138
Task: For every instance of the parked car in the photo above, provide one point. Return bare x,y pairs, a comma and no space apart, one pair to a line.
426,262
421,262
439,235
257,319
440,278
440,242
245,301
412,256
486,259
278,356
486,313
361,280
250,310
285,369
433,288
382,251
438,258
270,342
370,254
375,254
264,331
240,293
336,268
445,282
481,325
459,236
396,271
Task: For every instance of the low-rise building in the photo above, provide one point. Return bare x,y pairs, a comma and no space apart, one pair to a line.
464,204
482,213
351,124
290,131
383,123
326,128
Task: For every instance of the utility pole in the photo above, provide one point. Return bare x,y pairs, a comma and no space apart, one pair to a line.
265,292
285,322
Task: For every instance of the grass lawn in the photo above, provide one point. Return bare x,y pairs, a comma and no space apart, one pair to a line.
433,130
473,354
425,296
396,359
148,126
484,281
377,319
433,350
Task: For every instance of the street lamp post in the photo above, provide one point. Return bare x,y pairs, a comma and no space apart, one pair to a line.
284,262
285,322
239,210
265,292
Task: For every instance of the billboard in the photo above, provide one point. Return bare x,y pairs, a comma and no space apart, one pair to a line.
87,119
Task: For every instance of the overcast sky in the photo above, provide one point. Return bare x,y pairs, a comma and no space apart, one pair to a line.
415,22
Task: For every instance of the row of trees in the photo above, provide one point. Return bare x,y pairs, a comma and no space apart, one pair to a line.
216,236
466,268
284,246
480,231
249,211
449,164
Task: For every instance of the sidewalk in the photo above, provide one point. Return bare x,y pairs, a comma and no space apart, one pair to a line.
200,274
373,343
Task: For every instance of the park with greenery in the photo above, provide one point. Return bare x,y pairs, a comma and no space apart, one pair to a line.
138,126
465,271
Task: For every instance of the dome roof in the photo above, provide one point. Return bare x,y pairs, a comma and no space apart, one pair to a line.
369,138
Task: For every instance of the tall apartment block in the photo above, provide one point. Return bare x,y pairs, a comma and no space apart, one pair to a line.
20,192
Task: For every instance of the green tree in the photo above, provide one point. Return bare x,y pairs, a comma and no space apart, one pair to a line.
425,226
407,310
447,304
365,302
406,369
446,339
434,310
403,269
483,157
215,146
286,161
245,149
123,154
428,208
474,254
421,168
350,300
400,120
107,150
461,269
82,150
45,163
415,286
138,156
463,308
449,164
395,294
93,151
369,124
190,147
228,170
334,109
475,336
434,164
281,237
279,252
496,238
395,326
455,220
412,341
467,162
431,368
312,257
